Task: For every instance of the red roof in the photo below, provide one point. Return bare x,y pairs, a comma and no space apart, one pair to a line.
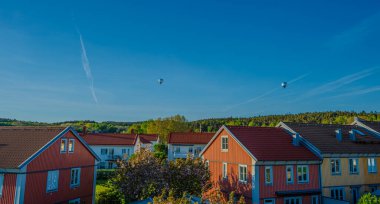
190,137
109,139
271,144
148,138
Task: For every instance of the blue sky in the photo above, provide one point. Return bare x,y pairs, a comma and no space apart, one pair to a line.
98,60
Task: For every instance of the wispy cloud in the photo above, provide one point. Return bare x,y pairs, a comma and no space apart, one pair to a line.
360,92
87,68
333,85
266,93
357,33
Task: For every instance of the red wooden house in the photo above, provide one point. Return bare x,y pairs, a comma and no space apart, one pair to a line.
265,165
45,165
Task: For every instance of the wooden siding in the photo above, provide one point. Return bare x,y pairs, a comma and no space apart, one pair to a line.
236,155
9,187
52,159
279,181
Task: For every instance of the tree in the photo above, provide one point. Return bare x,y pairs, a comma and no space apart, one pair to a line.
369,199
141,177
164,126
160,151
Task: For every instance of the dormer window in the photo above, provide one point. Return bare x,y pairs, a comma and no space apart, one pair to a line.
224,143
63,145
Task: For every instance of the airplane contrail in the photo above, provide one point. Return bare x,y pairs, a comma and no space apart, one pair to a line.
266,93
87,68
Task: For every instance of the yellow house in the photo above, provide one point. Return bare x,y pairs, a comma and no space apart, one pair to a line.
350,156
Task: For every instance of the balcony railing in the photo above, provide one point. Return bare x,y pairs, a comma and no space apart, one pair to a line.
183,155
117,157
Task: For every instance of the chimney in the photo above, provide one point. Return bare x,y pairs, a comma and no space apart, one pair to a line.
296,139
339,135
84,130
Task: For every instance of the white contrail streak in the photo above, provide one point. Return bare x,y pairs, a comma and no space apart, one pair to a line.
266,93
87,69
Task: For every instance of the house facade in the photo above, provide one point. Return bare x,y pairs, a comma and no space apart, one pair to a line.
350,156
265,165
181,145
111,147
145,141
45,165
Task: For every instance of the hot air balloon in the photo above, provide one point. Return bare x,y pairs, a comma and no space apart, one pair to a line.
284,84
160,81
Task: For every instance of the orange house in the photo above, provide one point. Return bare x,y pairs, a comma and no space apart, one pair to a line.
45,165
265,165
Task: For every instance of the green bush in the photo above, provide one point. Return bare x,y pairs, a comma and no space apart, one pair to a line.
105,174
108,194
369,199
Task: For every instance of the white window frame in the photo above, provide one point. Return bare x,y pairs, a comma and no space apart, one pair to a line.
315,197
49,179
351,166
224,149
290,199
73,176
65,146
334,164
270,175
243,180
73,146
224,170
372,166
2,178
307,173
291,176
340,190
75,201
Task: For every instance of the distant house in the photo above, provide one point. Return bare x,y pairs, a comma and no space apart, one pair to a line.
111,147
45,165
265,165
146,141
350,156
180,145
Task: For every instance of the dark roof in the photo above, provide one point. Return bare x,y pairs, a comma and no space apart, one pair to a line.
148,138
271,144
324,138
109,138
17,144
190,137
373,125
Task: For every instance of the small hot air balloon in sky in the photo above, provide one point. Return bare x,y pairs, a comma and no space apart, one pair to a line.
160,81
284,84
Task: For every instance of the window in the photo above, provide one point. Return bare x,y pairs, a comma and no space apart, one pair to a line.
303,174
269,201
354,166
190,150
123,151
224,143
243,173
335,166
103,151
224,173
268,175
177,149
75,201
63,145
337,193
52,181
315,199
371,188
71,145
129,152
1,184
289,174
372,168
293,200
75,177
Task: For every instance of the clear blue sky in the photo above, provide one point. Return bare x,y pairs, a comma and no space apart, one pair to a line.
218,58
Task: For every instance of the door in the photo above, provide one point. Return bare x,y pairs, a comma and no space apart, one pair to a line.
355,195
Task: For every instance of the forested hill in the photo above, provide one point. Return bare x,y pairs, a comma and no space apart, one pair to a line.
207,125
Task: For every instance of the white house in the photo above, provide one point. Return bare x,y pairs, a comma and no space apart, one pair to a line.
181,145
146,141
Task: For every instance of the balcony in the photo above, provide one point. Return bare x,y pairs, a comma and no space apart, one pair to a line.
183,155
